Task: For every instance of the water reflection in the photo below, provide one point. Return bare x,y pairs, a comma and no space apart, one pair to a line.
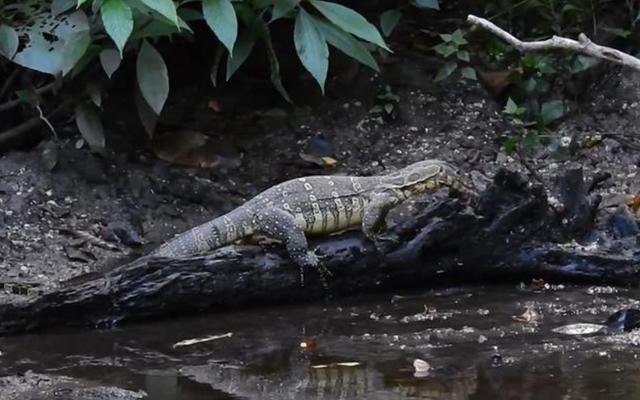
360,349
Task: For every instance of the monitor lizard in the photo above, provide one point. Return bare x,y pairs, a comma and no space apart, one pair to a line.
317,205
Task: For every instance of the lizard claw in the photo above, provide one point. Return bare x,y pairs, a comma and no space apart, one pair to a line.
384,243
312,260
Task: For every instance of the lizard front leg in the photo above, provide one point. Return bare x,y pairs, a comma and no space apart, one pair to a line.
279,224
375,212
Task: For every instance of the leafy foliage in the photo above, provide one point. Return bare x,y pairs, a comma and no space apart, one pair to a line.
454,44
63,37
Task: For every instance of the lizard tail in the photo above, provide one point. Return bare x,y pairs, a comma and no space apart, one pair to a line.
211,235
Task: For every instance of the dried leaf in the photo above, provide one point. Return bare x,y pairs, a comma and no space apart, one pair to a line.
579,329
348,364
421,367
329,161
189,342
214,105
634,203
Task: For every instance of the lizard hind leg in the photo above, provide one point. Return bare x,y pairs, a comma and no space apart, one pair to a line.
280,225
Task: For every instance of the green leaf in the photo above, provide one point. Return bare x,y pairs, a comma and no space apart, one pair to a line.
37,30
509,144
350,21
551,111
118,21
463,55
623,33
531,139
60,6
511,107
166,8
90,126
9,41
110,60
161,28
189,14
469,73
458,38
530,85
388,107
80,3
446,37
537,62
215,66
153,78
148,117
282,8
427,4
445,49
582,63
571,8
446,70
311,47
241,51
74,49
221,18
346,43
389,20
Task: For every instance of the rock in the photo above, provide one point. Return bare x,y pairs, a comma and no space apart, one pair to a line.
624,320
32,386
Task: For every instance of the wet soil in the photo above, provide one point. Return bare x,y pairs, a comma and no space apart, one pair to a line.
358,348
66,211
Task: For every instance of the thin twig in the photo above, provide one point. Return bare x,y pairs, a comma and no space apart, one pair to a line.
31,123
583,45
46,121
13,103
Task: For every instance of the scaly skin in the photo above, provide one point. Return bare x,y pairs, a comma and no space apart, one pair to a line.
316,205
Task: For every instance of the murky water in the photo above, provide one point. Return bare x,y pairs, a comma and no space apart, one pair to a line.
362,349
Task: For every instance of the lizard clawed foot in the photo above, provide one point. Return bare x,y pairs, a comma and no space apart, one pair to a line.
310,259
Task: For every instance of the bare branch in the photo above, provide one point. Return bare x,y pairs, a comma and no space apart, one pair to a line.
34,122
41,90
583,45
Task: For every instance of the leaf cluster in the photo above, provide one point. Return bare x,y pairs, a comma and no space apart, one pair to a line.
63,37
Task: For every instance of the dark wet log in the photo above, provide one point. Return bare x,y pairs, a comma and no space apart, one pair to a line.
504,233
577,208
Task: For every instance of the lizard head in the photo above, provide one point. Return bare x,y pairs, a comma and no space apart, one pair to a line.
429,175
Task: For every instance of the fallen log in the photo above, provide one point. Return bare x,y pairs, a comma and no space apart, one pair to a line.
509,231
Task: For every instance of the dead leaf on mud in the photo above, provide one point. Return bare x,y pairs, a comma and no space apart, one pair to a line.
538,283
82,237
184,148
421,367
49,154
495,82
74,254
634,202
189,342
530,315
325,161
579,329
55,209
214,105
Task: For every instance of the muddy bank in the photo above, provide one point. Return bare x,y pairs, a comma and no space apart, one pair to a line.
31,386
73,213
